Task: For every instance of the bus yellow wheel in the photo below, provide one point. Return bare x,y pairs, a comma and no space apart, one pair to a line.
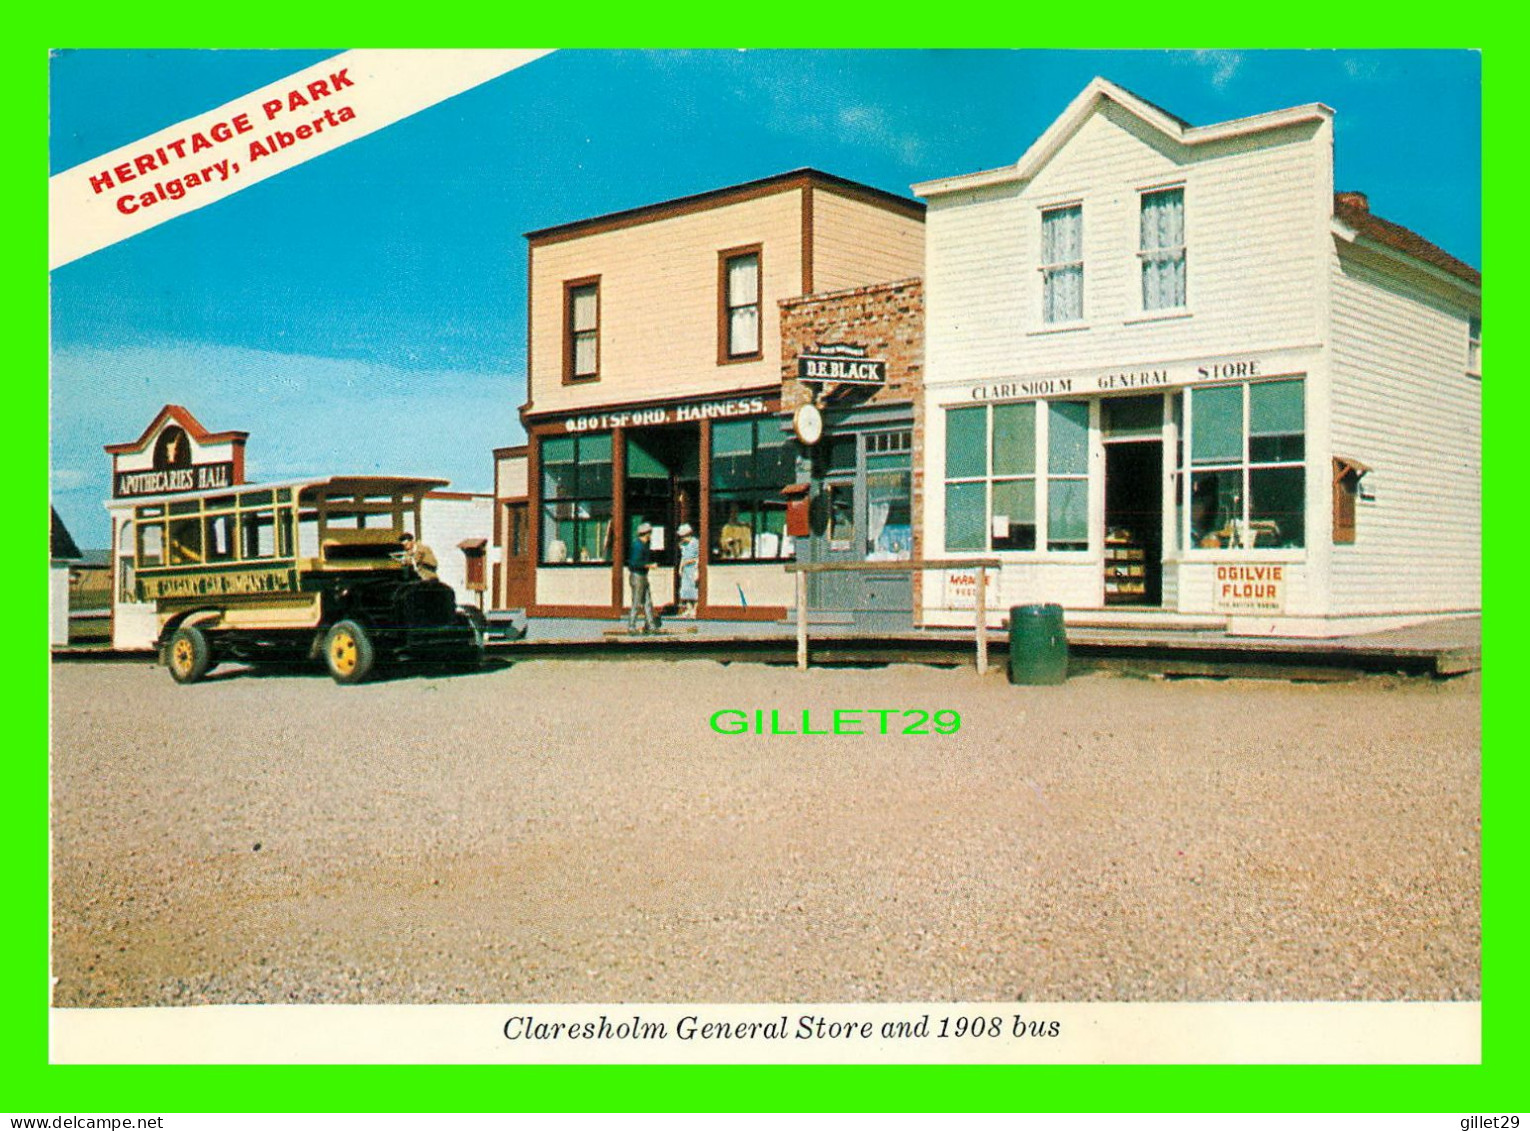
189,654
348,652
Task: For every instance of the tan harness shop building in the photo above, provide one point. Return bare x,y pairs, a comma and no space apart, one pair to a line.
1169,373
654,389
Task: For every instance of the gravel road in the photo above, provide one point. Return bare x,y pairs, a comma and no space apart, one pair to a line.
573,831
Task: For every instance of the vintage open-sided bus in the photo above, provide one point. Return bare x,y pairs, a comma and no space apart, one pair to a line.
296,570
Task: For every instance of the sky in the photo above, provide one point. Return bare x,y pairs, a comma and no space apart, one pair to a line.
365,311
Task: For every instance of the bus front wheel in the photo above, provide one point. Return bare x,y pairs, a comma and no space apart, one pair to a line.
348,652
189,654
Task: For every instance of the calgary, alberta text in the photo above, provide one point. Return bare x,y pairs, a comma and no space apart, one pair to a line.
162,157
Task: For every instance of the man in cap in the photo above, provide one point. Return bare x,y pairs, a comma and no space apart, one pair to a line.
420,558
639,562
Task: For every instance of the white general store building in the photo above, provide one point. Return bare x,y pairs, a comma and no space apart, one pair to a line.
1171,375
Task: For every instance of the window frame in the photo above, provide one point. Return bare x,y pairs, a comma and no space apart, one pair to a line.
237,512
1047,269
1091,427
1474,345
756,492
571,334
544,526
1245,465
1143,253
725,354
1041,476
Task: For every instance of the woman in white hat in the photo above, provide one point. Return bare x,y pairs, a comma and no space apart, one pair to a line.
690,563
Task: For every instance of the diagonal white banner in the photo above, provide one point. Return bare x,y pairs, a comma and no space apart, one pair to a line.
213,155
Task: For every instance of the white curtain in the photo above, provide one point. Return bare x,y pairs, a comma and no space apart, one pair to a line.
876,518
744,330
744,304
1062,254
585,330
1163,250
584,309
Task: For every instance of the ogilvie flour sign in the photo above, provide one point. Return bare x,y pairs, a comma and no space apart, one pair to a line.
1244,588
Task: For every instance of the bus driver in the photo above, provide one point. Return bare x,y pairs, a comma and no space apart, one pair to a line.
419,557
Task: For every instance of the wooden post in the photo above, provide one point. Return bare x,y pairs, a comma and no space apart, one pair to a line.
981,620
802,592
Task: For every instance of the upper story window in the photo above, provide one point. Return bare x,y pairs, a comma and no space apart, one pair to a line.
1474,347
1163,249
738,314
1062,264
581,321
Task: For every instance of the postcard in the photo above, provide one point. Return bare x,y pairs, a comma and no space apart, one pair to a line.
766,557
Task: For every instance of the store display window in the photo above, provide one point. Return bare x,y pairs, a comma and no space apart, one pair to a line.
752,463
576,499
1247,473
998,497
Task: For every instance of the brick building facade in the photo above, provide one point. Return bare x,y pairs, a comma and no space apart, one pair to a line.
862,476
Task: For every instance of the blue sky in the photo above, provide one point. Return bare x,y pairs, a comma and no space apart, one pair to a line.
366,311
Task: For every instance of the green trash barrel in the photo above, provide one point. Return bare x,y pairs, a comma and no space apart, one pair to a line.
1038,646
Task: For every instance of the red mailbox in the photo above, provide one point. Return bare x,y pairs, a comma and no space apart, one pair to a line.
798,511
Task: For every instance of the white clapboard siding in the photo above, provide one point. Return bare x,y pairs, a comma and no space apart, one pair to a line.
1404,405
1252,221
575,585
445,523
1017,583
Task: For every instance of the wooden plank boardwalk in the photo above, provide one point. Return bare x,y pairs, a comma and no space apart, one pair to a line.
1442,648
1436,648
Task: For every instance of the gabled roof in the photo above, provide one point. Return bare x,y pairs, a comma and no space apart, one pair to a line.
184,418
1357,217
62,545
1088,101
732,194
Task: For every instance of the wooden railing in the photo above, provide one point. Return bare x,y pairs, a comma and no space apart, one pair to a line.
980,602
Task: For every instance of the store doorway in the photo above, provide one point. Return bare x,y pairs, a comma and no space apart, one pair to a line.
1133,433
663,489
519,566
863,513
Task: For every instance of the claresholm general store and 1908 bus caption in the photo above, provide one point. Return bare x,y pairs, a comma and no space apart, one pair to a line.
804,1027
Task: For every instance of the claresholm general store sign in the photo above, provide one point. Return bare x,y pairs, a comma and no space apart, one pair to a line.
1132,379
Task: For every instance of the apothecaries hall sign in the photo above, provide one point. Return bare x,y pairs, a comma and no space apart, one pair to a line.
177,454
